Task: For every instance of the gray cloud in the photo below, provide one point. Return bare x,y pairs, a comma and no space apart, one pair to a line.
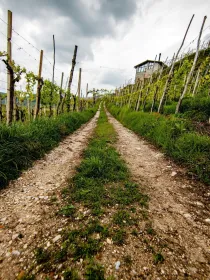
112,78
72,21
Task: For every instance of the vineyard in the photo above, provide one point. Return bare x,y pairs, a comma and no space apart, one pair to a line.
113,184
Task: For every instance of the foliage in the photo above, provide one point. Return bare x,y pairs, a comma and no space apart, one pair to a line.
94,271
148,95
21,144
46,91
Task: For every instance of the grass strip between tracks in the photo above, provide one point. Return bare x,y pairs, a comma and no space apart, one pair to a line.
104,207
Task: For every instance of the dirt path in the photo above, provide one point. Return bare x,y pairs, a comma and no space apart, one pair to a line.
28,205
179,207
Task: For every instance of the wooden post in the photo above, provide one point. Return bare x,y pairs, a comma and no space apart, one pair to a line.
53,75
87,90
192,69
29,108
159,57
172,69
1,115
79,89
39,86
64,98
71,77
60,94
10,96
139,95
157,87
148,88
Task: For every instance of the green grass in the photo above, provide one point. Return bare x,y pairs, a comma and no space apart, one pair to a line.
67,210
21,144
122,218
71,274
101,186
94,271
158,258
176,137
41,255
119,237
127,260
26,277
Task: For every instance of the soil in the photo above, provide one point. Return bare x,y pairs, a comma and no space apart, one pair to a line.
179,207
28,205
179,213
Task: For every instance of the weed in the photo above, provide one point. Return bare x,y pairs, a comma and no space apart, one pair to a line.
127,194
61,255
26,277
133,209
158,258
127,260
119,237
81,242
67,210
150,231
20,235
144,214
94,271
53,198
134,232
149,228
65,192
122,218
41,255
110,277
71,274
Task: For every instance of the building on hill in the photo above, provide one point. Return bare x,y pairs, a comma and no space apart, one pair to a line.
144,69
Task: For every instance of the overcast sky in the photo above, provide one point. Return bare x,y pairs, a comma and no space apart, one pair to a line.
112,35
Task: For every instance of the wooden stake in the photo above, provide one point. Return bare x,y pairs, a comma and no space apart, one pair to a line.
60,94
64,98
87,90
159,57
148,88
71,77
39,86
196,81
192,68
10,97
172,69
53,77
157,87
79,89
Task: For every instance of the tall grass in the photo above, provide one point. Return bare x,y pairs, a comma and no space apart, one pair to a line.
194,109
175,136
21,144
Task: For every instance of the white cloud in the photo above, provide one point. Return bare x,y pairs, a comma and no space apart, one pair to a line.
108,33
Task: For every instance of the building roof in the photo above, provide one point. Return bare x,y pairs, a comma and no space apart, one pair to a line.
146,61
